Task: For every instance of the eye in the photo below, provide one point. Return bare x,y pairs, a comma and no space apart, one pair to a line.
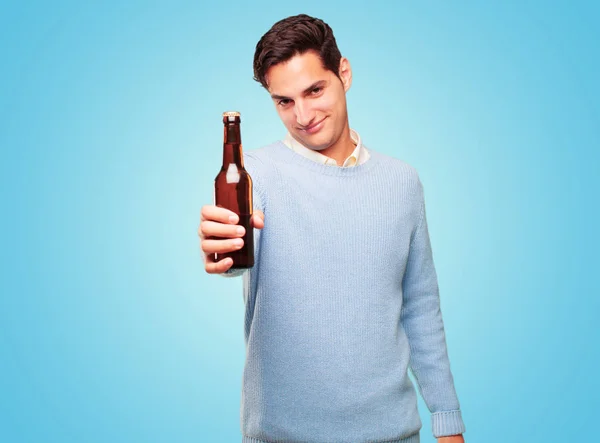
284,102
316,90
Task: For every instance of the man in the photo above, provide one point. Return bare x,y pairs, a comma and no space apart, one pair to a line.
343,297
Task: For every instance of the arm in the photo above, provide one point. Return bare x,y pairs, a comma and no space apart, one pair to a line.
451,439
422,321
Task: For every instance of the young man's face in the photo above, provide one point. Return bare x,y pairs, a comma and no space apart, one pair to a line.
310,100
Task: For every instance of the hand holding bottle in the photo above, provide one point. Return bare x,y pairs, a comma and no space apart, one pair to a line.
220,233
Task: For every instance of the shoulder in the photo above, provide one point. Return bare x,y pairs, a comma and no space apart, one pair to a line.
397,168
260,157
260,163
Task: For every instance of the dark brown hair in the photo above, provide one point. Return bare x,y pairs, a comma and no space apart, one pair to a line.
292,36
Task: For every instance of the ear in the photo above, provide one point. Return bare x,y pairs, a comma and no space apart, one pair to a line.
345,73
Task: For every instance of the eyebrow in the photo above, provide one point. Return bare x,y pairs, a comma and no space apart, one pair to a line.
317,84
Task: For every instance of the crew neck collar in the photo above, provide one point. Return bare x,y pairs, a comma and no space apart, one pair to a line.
300,160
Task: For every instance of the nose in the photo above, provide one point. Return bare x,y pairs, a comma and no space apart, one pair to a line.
304,115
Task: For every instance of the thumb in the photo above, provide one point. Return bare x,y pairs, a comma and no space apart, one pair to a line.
258,219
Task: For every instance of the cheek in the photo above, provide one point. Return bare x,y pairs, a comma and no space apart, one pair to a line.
331,103
341,101
286,116
328,103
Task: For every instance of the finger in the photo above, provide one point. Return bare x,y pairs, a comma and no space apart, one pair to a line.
218,267
213,229
218,214
258,219
221,246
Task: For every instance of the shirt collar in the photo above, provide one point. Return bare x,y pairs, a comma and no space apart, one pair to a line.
353,159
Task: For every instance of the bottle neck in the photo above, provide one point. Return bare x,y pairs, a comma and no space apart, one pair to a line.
232,145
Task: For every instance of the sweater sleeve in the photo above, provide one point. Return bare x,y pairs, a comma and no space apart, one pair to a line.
421,319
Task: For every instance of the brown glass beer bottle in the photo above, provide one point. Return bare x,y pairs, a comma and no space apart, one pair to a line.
233,190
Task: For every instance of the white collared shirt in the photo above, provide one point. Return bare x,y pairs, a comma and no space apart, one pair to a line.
359,156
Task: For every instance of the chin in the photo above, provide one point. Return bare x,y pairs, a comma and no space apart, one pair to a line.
316,143
318,148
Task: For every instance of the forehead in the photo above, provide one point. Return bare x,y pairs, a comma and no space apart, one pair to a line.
296,74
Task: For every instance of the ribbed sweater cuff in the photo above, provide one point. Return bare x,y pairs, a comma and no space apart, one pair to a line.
447,423
412,439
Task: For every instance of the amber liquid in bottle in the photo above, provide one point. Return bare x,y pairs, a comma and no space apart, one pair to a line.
233,190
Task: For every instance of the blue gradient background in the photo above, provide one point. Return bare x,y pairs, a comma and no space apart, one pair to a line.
110,128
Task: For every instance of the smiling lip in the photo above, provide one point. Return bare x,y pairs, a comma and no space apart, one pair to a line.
312,129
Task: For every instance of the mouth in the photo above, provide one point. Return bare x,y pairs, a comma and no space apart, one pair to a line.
314,128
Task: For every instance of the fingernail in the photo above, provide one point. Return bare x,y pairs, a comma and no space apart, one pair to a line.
238,242
233,218
240,230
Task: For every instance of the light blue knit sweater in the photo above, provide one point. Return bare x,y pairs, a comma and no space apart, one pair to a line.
342,300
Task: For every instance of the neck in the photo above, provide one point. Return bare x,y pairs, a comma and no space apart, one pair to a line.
342,148
232,146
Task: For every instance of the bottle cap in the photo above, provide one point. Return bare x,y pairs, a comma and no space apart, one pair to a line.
231,115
